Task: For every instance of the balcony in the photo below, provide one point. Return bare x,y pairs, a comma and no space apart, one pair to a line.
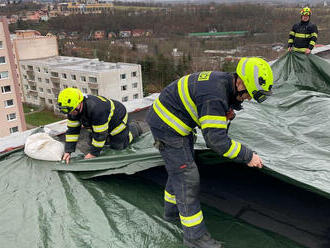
33,92
56,91
30,73
55,80
93,85
32,83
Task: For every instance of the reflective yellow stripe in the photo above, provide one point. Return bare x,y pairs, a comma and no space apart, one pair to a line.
130,135
233,151
302,50
98,143
120,127
312,43
104,127
213,121
102,98
170,119
71,137
290,41
300,35
193,220
292,33
73,123
186,99
314,34
169,198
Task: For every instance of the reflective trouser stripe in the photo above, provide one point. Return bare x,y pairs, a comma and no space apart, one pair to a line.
290,41
312,42
314,34
213,121
292,33
186,99
234,150
73,123
120,127
170,119
193,220
130,135
299,49
71,137
104,127
98,143
169,198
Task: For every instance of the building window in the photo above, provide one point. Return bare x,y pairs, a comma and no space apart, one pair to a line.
123,87
2,60
23,67
30,67
135,96
11,117
35,97
64,75
83,78
54,74
26,86
1,46
134,73
3,74
5,89
94,92
73,77
47,81
41,89
50,101
124,99
92,79
84,90
38,69
46,70
65,86
9,103
122,76
134,85
39,80
25,76
13,129
49,91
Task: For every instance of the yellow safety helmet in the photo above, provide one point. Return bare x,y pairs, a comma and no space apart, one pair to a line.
69,99
305,11
257,77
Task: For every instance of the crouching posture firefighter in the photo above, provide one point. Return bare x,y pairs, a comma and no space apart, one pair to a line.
107,118
205,100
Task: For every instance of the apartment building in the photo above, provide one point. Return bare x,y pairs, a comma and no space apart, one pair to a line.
11,110
43,79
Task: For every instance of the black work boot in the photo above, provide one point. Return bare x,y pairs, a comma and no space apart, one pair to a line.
203,242
171,218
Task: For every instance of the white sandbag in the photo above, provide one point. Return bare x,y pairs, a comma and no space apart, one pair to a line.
43,147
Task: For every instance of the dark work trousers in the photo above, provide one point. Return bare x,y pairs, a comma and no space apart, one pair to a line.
124,138
182,187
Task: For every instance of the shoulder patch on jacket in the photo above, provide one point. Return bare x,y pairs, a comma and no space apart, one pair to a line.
204,75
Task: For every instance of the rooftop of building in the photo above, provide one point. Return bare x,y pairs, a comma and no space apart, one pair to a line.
79,64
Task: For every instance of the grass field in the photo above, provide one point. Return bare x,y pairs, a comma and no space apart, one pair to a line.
41,118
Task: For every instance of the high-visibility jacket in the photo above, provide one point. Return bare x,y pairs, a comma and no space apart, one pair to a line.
303,35
105,117
201,99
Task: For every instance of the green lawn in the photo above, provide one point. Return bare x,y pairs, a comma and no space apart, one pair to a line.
28,109
41,118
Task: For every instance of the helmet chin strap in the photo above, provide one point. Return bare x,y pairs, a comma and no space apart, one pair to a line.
239,92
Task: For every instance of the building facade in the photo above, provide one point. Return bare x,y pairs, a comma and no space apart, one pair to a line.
43,79
11,110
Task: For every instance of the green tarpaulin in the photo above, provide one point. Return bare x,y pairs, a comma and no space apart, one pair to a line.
48,204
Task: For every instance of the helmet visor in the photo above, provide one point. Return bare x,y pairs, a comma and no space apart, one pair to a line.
261,95
65,109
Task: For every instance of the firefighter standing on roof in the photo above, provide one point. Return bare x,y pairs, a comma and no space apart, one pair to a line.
203,99
303,35
108,120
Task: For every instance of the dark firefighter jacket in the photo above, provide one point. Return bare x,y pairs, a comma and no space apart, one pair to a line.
201,99
303,35
103,116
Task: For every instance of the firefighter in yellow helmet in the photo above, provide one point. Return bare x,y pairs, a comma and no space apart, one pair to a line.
205,100
303,35
107,118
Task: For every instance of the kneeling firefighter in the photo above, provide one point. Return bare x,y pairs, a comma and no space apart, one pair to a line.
205,100
107,118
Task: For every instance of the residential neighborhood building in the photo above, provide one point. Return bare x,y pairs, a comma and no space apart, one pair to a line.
11,110
43,79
